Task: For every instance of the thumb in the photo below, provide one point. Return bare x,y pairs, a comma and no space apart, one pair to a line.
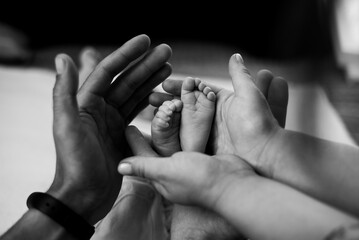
241,78
146,167
64,92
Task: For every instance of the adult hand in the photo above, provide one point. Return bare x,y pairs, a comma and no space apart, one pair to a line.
246,118
187,178
244,123
89,124
88,58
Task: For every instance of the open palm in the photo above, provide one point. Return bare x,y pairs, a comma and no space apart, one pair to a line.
89,124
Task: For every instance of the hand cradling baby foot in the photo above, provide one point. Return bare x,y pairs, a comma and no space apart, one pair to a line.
184,125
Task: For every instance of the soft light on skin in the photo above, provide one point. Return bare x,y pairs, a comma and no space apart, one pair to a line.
125,169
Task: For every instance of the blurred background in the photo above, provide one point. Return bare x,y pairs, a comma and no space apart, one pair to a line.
278,29
304,41
313,44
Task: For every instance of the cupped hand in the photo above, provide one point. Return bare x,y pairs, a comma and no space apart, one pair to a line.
244,122
188,178
246,119
89,124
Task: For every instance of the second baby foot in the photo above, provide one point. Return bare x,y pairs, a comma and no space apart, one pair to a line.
165,128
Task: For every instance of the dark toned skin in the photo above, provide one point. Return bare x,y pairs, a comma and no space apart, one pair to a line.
88,129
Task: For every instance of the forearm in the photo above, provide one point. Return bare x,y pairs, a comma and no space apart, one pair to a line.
55,215
36,225
264,209
323,169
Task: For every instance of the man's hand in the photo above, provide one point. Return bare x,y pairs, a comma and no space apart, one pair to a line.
89,124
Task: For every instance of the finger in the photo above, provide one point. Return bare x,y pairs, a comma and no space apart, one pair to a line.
89,58
143,92
138,143
241,78
140,106
146,167
100,79
64,92
157,98
173,86
263,80
136,78
278,99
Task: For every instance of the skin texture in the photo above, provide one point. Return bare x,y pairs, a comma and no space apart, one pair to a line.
185,125
238,109
88,128
299,160
91,122
229,186
273,89
165,128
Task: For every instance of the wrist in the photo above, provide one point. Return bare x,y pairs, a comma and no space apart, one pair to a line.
269,156
57,211
77,202
224,184
238,191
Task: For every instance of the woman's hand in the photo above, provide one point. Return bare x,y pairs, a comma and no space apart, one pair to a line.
187,178
246,119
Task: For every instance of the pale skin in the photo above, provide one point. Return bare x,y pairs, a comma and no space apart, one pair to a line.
89,127
185,125
258,207
190,221
165,128
244,125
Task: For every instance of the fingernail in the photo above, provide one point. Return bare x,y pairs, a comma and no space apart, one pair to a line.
239,58
125,169
59,64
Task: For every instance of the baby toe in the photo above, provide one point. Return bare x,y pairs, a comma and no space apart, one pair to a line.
166,109
178,104
211,96
207,90
201,86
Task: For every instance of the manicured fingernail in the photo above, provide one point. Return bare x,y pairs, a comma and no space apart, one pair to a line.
125,169
239,58
60,64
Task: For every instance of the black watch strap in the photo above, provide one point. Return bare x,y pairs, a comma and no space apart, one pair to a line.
62,214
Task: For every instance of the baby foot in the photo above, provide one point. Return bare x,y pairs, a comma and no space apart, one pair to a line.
199,103
165,128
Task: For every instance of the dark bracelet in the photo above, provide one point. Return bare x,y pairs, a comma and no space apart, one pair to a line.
63,215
